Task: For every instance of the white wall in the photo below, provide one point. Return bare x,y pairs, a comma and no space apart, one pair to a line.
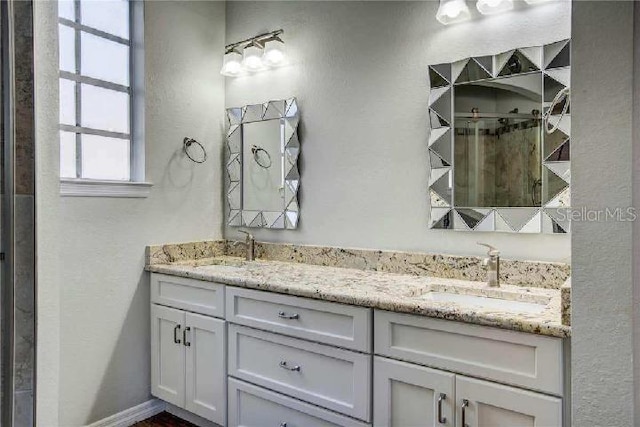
601,169
360,73
101,293
47,213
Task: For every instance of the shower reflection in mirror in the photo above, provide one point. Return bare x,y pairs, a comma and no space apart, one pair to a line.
499,146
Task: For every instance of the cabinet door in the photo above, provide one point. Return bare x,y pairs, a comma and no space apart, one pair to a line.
410,395
486,404
167,354
205,343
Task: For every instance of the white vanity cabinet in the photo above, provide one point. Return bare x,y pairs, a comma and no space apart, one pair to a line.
253,406
188,356
482,403
411,395
300,362
315,351
405,392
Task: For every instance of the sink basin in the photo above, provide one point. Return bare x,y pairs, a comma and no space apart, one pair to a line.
224,261
485,302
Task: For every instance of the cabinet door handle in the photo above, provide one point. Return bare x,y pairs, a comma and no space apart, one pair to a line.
176,331
283,315
184,336
283,424
465,403
441,419
284,365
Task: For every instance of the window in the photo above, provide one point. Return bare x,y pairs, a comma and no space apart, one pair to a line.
101,113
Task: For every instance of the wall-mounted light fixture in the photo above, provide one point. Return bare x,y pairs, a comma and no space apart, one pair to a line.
258,53
493,7
454,11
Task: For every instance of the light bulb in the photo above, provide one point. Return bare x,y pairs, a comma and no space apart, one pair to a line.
252,59
453,11
273,52
231,64
492,7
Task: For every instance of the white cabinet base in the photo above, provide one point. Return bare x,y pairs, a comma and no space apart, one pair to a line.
188,361
167,354
496,405
253,406
410,395
206,374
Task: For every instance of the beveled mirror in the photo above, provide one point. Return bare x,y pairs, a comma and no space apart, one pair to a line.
262,165
499,147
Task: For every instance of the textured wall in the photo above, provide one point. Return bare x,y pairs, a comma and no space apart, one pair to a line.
360,73
601,150
602,282
47,213
103,291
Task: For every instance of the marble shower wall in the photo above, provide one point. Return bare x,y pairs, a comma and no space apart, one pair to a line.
23,212
502,169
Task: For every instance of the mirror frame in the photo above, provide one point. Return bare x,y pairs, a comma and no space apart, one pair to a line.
553,62
287,112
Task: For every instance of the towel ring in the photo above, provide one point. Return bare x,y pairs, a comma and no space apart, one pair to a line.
255,150
187,143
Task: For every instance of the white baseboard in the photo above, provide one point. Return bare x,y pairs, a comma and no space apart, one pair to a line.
131,416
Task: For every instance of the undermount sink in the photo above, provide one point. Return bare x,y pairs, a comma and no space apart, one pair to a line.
225,261
485,302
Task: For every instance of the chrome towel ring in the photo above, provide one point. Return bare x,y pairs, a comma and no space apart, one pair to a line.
187,143
264,160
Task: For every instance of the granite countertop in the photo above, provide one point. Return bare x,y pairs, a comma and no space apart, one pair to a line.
386,291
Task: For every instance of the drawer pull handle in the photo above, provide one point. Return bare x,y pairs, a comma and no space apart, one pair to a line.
184,336
176,331
284,365
465,403
441,419
283,315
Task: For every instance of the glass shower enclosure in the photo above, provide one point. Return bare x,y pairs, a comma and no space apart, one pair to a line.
17,215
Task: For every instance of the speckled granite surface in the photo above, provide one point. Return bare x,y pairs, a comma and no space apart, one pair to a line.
531,274
175,252
565,298
386,291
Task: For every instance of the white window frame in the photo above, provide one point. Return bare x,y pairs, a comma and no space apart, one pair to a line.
136,186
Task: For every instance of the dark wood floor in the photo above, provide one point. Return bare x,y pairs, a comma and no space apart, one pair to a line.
164,419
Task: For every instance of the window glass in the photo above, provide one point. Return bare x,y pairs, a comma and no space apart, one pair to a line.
110,16
105,158
66,9
67,155
104,109
67,102
67,49
105,60
95,65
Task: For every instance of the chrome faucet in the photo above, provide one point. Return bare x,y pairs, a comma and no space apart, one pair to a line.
250,244
492,262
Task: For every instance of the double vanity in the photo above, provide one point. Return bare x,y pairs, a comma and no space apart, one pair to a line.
273,343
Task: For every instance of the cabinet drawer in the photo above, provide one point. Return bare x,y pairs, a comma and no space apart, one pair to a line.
188,294
525,360
252,406
330,323
336,379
